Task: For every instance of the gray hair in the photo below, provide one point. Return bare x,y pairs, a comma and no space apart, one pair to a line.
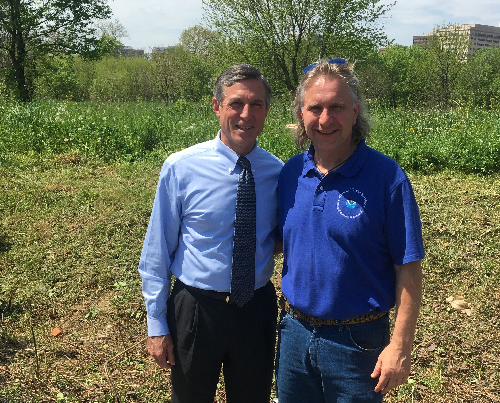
345,73
237,73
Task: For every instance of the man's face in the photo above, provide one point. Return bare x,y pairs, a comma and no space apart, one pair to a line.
329,115
242,114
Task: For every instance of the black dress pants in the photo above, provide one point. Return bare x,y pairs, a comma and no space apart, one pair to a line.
209,333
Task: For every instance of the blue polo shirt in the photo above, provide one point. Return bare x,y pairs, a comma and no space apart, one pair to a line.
343,233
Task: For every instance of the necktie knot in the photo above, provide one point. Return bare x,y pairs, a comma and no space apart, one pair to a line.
244,163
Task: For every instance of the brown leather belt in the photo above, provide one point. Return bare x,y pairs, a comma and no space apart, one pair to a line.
318,322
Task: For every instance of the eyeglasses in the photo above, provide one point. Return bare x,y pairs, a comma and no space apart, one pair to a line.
338,60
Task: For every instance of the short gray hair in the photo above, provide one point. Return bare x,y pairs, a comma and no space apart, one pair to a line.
237,73
345,73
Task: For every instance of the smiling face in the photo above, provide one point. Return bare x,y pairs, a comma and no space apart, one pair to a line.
242,114
329,115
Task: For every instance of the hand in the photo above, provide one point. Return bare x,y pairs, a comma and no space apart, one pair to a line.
392,368
161,348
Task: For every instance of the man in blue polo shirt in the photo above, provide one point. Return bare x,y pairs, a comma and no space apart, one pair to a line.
352,250
204,323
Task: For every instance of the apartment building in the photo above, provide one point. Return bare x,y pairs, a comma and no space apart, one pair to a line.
159,49
131,52
480,36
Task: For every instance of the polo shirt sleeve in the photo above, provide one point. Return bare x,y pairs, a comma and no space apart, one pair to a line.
404,230
160,245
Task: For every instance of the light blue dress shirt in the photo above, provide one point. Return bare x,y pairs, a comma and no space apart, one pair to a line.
191,229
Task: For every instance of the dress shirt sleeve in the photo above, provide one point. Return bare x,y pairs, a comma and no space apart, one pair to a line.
160,245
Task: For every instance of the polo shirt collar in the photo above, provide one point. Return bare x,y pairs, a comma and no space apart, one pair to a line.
350,167
229,158
309,165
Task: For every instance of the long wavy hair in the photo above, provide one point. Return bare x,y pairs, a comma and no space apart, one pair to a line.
344,72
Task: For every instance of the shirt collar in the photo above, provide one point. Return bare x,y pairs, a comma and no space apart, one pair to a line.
229,157
348,169
309,164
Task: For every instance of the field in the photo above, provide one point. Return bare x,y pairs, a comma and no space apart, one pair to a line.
77,183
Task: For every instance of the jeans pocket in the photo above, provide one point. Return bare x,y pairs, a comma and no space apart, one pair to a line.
370,336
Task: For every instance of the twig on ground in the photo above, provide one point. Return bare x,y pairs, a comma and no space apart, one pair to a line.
36,350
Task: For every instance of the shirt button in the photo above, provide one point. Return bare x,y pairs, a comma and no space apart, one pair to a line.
321,188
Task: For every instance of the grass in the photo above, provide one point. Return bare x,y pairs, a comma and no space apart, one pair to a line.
420,140
72,225
116,131
430,141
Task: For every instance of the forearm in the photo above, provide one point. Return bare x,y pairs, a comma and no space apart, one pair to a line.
408,298
393,365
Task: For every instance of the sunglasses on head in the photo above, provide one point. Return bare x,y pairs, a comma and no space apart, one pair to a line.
338,60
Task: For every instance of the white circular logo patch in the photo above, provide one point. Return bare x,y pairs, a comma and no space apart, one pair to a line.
351,203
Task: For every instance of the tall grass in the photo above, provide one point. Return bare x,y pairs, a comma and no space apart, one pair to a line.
426,140
462,140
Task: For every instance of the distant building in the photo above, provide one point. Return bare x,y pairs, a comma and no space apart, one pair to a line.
422,40
159,49
131,52
480,36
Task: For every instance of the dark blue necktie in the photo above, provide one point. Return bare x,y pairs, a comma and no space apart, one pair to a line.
243,272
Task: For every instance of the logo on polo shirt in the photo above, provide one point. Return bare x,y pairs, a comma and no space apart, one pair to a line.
351,203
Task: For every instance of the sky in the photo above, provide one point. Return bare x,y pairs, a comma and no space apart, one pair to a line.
160,23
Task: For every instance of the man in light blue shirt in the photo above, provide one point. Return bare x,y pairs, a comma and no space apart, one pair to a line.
196,327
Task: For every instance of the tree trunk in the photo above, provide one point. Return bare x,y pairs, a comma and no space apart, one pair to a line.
18,51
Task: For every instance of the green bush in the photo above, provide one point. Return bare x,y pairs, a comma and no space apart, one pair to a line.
122,79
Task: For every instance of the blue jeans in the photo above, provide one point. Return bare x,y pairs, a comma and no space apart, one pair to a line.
329,363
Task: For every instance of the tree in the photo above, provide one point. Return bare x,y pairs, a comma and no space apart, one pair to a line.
179,73
111,32
374,79
106,46
29,28
56,78
479,81
114,29
122,79
283,36
170,72
410,76
198,40
449,50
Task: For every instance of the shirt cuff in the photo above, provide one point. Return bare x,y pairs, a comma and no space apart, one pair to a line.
157,326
